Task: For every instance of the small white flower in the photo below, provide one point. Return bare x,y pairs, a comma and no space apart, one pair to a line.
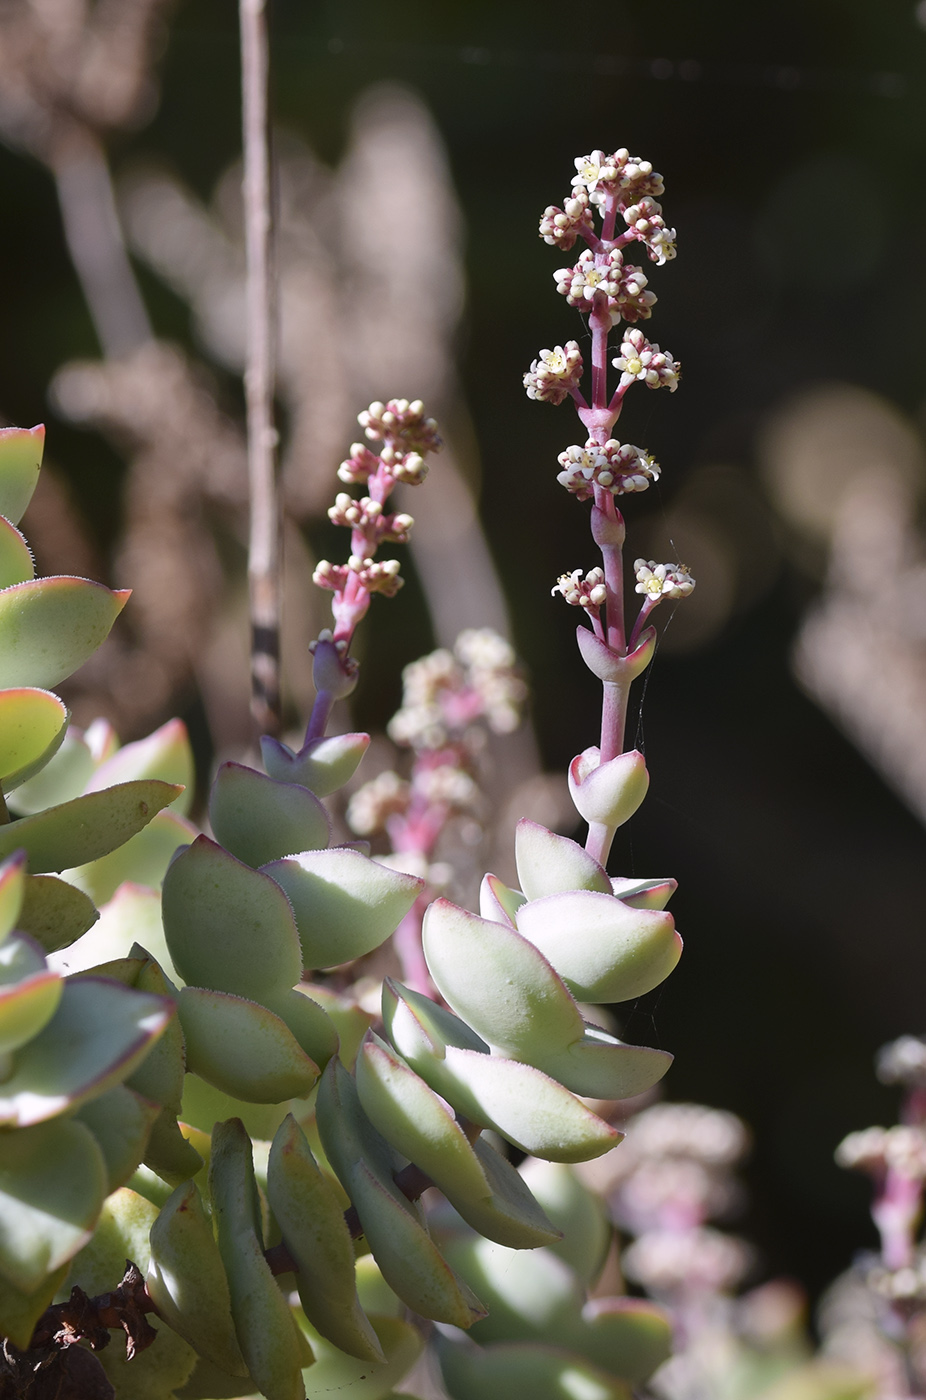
663,580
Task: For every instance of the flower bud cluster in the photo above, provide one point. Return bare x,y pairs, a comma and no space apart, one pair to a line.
606,275
445,692
582,590
658,581
900,1149
621,174
368,516
903,1061
702,1260
374,576
561,227
400,425
641,359
618,467
371,806
644,220
555,373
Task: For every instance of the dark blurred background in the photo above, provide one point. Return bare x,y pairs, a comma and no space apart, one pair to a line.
790,136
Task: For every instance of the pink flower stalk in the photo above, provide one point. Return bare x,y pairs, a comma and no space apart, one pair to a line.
609,290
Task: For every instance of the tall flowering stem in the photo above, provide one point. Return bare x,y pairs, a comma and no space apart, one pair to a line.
610,291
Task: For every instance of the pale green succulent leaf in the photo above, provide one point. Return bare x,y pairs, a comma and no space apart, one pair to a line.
160,1075
20,463
311,1218
123,1233
16,562
121,1121
345,904
242,1048
86,828
521,1103
599,1066
550,864
259,819
133,914
323,767
169,1151
644,894
27,1006
12,892
142,860
186,1280
310,1024
52,1188
499,983
402,1107
348,1017
578,1213
64,777
50,626
497,902
54,913
530,1294
267,1333
627,1337
166,754
525,1371
98,1035
337,1373
511,1216
32,727
604,950
413,1020
228,927
204,1105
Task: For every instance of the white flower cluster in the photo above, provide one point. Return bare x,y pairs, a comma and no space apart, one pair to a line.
644,220
901,1149
555,373
709,1135
561,227
377,576
606,274
620,468
903,1061
402,425
663,580
582,590
640,359
368,515
699,1261
631,178
446,692
375,802
446,785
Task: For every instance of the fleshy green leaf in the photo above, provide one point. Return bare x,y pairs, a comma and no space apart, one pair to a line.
64,777
323,766
498,983
604,950
601,1067
578,1212
27,1006
510,1216
348,1017
12,890
529,1293
20,1310
52,1187
50,626
121,1122
228,927
54,913
142,860
345,904
308,1021
243,1048
88,827
123,1233
497,902
628,1337
336,1373
16,562
525,1371
164,754
550,864
20,463
260,820
644,894
97,1036
417,1123
132,915
32,727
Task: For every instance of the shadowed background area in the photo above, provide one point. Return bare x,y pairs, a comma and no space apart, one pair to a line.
784,718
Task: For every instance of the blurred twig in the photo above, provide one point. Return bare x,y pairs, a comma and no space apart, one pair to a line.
264,541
